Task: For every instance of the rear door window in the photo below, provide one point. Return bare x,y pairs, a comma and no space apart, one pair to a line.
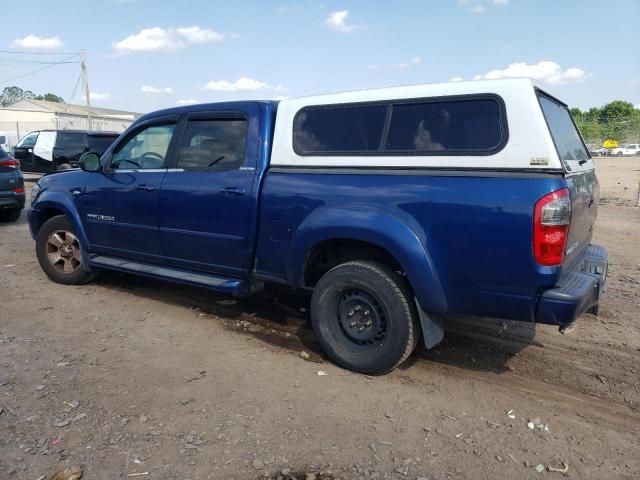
567,139
99,144
213,145
70,139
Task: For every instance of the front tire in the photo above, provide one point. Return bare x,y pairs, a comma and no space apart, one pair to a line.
364,317
59,252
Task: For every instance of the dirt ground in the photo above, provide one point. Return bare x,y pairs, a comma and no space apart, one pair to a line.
134,376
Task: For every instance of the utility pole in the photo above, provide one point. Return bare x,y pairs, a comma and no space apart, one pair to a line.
85,84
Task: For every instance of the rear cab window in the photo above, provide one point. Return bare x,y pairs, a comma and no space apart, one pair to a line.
572,151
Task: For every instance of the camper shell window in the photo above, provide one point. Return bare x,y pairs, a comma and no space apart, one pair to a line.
467,125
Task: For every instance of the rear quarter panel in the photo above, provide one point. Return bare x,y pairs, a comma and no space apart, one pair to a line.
475,230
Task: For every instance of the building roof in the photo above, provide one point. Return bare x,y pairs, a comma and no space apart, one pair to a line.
70,109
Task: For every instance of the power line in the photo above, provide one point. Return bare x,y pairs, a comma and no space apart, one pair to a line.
75,89
3,82
38,53
30,62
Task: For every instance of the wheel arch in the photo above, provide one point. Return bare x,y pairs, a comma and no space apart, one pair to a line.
381,236
51,204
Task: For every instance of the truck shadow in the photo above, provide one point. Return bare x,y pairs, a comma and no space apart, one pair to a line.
479,343
280,317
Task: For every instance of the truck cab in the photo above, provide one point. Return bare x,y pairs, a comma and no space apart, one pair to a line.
393,207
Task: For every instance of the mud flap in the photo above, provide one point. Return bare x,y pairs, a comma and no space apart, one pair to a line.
432,329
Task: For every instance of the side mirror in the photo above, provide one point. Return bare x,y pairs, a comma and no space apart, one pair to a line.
90,162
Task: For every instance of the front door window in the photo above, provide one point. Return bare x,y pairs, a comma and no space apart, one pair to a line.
146,150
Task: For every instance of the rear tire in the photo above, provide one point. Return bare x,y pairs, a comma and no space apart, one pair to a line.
364,316
59,252
63,166
10,215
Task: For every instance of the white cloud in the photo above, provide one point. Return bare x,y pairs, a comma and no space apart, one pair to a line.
152,89
456,79
196,34
337,20
243,84
288,8
477,9
545,71
392,66
280,98
159,39
33,42
500,2
187,101
98,96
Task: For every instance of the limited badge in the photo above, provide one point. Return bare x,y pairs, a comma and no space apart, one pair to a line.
539,161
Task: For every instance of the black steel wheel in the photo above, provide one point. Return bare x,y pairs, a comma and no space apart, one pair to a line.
364,317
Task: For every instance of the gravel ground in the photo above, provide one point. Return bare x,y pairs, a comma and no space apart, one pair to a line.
134,376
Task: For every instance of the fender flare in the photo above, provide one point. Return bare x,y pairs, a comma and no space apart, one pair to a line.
59,201
377,227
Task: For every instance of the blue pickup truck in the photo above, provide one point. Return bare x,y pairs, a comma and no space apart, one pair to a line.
393,206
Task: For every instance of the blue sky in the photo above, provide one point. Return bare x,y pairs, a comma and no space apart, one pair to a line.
144,54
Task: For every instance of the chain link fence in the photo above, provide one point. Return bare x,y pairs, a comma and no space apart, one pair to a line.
624,130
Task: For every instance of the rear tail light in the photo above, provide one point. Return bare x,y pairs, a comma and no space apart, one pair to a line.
10,162
552,216
19,190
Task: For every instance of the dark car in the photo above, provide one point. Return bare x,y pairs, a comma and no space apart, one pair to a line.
11,188
50,150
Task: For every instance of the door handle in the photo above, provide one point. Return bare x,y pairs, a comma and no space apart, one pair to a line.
235,191
147,188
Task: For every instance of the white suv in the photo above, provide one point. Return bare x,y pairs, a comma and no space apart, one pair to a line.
624,150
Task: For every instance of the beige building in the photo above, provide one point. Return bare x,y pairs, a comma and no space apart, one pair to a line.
24,116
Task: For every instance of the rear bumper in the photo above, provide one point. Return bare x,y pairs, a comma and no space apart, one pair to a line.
576,292
13,200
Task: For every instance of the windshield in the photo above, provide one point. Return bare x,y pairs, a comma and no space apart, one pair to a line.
564,132
3,154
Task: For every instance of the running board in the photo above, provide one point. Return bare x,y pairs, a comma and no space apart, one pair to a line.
234,286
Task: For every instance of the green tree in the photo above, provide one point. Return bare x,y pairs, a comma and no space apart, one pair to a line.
618,120
11,95
50,97
616,110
